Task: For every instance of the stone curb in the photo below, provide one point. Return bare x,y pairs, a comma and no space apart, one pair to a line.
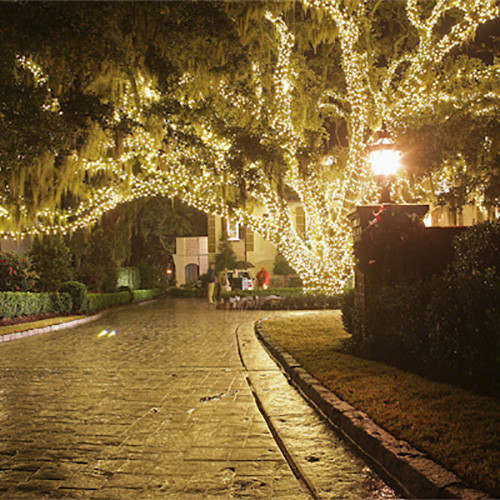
67,324
51,328
410,469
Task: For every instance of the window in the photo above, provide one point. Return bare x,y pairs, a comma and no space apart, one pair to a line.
233,231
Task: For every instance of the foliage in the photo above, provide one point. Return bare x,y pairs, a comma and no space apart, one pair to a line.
16,273
233,105
95,302
146,294
52,260
15,304
289,298
77,291
99,270
454,427
225,257
149,275
281,266
129,277
445,327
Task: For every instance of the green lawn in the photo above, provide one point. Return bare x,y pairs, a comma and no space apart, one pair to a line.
455,427
21,327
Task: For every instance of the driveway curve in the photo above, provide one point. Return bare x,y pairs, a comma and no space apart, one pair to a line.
149,401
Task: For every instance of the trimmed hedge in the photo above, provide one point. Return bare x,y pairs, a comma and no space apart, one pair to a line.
146,294
445,327
289,298
78,292
95,302
15,304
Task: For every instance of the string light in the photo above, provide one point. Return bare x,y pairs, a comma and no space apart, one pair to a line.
410,85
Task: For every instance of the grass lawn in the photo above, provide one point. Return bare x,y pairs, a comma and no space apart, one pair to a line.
456,428
21,327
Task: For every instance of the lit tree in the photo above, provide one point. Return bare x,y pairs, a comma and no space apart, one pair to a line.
282,108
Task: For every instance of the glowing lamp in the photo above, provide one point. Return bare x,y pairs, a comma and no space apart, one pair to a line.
385,160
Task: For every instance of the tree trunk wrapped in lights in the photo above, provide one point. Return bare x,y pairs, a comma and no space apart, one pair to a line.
315,79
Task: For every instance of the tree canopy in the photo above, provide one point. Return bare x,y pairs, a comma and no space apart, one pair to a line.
230,106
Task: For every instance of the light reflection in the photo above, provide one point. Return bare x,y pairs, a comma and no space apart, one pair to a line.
104,333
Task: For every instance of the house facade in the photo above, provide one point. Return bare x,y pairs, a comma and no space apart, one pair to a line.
249,246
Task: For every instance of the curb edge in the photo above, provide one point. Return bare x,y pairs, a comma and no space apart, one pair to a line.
407,467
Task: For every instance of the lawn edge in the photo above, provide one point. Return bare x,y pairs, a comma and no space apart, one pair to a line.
68,324
50,328
406,467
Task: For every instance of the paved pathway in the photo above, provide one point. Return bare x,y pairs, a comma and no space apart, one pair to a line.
161,408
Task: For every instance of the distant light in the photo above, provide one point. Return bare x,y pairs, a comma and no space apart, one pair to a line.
428,220
102,333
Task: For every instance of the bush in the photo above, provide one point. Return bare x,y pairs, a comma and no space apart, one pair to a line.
78,292
99,271
291,298
445,327
15,304
51,259
146,294
16,273
282,267
149,276
128,277
95,302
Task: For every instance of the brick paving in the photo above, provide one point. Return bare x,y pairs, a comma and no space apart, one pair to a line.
159,408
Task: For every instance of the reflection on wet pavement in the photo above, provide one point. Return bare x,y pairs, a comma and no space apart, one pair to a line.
159,408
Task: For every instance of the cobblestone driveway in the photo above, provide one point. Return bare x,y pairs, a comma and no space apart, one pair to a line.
161,408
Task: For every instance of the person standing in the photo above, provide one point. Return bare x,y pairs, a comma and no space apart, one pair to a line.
211,283
263,279
223,280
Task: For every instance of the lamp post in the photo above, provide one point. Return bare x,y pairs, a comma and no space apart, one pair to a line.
385,160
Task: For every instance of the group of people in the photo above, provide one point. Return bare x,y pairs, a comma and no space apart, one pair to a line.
263,279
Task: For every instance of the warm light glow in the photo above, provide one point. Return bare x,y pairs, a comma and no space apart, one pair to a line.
385,162
412,85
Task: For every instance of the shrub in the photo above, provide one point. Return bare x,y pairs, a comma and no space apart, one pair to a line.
445,327
15,304
149,276
226,256
95,302
146,294
16,273
77,291
61,302
99,271
282,267
129,277
51,259
291,298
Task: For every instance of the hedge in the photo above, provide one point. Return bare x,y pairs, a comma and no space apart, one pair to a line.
15,304
445,327
146,294
95,302
289,298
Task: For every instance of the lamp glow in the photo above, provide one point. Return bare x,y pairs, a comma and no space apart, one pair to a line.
385,162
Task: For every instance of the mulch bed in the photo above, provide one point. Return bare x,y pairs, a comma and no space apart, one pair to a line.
27,319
